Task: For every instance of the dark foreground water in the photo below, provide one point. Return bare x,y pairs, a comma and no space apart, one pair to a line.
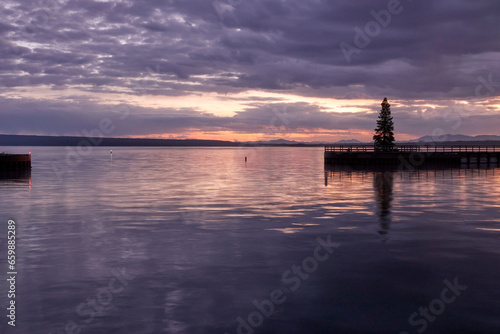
193,240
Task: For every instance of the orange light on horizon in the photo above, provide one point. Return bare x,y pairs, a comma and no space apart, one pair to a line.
303,135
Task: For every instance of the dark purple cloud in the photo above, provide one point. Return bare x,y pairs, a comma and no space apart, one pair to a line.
424,50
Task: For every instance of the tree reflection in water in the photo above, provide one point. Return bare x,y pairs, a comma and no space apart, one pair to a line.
383,184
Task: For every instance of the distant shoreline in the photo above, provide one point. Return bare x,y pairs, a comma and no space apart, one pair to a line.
31,140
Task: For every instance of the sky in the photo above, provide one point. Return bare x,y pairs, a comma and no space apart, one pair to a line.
244,70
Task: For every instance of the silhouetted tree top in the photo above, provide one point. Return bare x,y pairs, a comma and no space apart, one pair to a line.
384,132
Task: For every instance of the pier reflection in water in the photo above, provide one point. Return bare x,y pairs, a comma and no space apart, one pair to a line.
419,182
15,177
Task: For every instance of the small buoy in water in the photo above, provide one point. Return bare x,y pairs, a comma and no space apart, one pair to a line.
245,159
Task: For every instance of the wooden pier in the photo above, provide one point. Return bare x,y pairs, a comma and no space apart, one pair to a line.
12,162
412,155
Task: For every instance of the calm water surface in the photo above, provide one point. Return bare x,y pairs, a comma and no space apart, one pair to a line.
193,240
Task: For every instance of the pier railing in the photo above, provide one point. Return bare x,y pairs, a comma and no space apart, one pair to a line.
416,148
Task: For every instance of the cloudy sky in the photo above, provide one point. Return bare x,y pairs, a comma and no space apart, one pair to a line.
249,69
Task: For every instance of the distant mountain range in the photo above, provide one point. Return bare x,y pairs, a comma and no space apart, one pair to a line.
277,142
294,142
451,138
349,141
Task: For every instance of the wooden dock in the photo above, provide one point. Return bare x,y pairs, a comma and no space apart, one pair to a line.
412,155
12,162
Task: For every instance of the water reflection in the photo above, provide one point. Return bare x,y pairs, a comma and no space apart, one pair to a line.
399,195
383,183
15,178
206,235
15,175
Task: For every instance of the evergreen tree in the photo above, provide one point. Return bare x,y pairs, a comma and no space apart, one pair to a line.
384,135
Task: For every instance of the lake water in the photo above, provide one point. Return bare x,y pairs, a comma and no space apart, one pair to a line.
195,240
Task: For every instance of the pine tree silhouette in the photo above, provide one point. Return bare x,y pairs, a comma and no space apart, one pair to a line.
384,135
